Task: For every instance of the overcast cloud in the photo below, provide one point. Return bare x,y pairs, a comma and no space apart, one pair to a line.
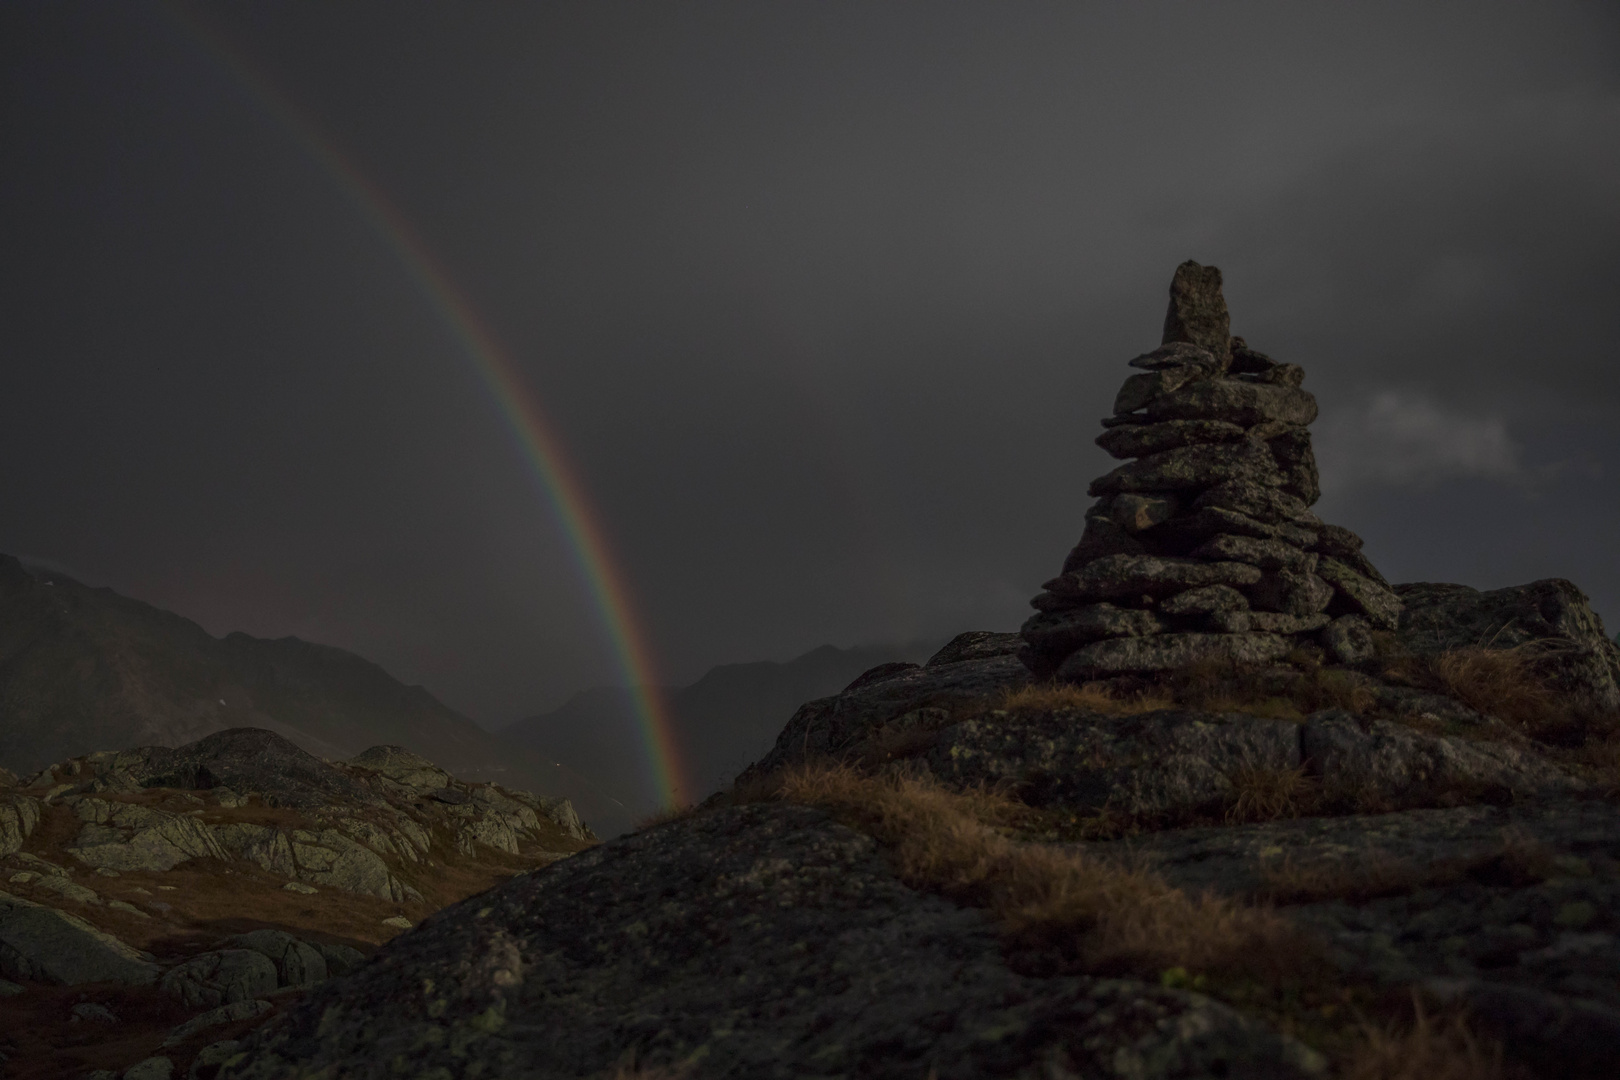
825,301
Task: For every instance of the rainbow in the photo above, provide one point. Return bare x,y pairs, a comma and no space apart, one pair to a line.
536,439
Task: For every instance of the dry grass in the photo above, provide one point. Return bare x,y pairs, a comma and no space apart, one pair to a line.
1504,683
1425,1048
1091,697
1266,793
1081,913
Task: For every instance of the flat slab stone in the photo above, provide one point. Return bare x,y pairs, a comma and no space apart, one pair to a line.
1165,652
1119,576
1236,402
1192,467
41,943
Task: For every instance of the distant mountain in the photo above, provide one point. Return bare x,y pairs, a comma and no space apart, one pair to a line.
84,669
723,722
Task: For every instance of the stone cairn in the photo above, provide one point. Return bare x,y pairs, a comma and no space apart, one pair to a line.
1203,545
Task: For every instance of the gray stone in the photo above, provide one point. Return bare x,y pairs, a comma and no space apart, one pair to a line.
1576,656
128,837
1210,520
1236,402
1134,513
828,727
402,767
340,959
1164,652
1131,576
1337,541
1297,461
297,963
1269,622
264,845
1197,312
760,940
1138,390
1266,554
1348,639
1061,632
90,1011
18,816
1205,601
1378,758
152,1068
1175,354
47,945
221,977
1102,537
1282,375
333,860
976,645
1291,593
1360,595
1192,467
1257,501
9,989
1142,439
223,1014
205,1066
1247,361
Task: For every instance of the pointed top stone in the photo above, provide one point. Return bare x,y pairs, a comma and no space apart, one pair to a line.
1198,311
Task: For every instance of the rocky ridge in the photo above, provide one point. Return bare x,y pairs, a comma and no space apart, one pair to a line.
187,888
1425,796
1203,546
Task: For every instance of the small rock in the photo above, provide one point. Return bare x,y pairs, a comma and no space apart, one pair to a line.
1138,390
399,922
90,1010
1362,595
205,1066
224,1014
1134,513
300,887
1348,639
153,1068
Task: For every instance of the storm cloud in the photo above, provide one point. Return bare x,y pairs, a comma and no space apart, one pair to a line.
825,302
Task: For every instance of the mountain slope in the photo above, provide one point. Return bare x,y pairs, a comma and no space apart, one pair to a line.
722,722
85,669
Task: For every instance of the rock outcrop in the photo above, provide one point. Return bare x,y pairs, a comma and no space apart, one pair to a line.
1204,547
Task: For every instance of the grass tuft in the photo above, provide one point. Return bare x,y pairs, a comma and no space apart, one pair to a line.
1090,697
1075,911
1504,683
1266,793
1426,1048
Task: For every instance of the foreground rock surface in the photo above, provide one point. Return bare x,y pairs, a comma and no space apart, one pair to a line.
753,941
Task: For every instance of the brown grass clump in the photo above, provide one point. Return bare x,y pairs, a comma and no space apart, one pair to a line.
1088,915
1503,683
1427,1048
1266,793
1091,697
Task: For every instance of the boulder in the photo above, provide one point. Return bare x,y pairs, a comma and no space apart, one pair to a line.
404,768
1380,759
297,963
41,943
1576,653
128,837
224,1014
221,977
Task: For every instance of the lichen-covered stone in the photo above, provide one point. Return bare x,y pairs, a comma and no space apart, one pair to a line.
1361,595
1192,467
1175,354
1137,575
46,945
1205,601
1266,554
1137,513
1197,313
1242,403
221,976
1064,631
1164,652
1138,390
1257,501
1291,592
1139,440
1348,639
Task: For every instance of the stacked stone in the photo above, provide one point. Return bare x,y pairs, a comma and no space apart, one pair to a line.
1203,545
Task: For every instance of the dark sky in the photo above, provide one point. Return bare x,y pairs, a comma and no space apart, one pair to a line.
825,300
